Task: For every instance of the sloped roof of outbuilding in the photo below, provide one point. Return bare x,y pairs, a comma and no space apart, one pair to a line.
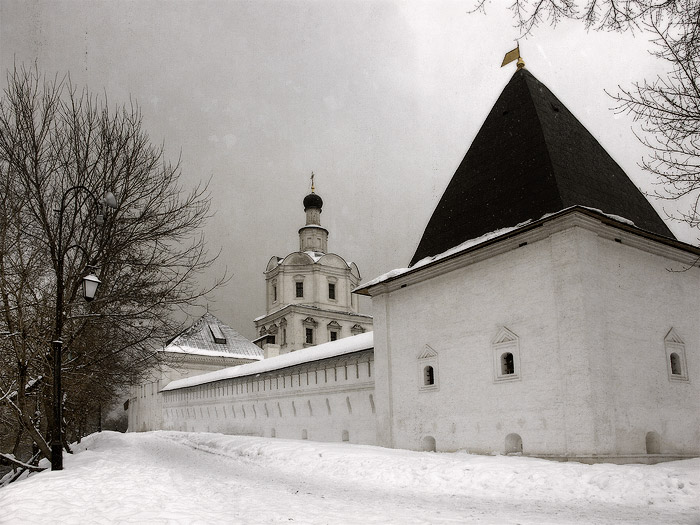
208,336
346,345
531,157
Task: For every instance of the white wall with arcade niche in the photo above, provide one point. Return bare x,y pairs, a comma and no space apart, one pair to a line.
330,399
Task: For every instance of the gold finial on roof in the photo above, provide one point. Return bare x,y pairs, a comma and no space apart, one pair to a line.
312,182
514,55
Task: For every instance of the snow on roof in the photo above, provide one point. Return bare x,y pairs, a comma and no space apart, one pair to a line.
474,242
343,346
184,349
209,336
316,256
460,247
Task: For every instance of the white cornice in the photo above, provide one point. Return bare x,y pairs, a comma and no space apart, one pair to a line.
604,226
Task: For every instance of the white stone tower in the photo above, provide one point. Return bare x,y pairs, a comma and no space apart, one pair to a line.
309,299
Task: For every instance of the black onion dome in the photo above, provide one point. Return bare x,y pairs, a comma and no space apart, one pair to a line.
313,201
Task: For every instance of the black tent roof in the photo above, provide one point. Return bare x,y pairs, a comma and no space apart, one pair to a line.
531,157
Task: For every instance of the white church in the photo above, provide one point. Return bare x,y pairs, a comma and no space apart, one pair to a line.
548,311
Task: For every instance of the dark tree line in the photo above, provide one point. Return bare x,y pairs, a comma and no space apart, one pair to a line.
62,149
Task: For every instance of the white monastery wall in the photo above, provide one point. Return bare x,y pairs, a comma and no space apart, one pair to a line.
585,318
458,315
646,397
327,400
145,402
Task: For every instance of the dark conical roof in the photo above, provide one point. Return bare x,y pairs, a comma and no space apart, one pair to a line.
531,157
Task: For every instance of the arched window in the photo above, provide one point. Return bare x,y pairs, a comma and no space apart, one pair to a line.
428,376
428,369
507,366
675,356
676,369
506,355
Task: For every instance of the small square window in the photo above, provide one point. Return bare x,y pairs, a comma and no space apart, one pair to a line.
334,335
331,290
300,289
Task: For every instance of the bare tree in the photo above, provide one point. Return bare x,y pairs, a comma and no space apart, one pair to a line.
667,108
61,149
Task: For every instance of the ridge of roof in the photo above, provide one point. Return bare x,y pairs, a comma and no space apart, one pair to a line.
531,157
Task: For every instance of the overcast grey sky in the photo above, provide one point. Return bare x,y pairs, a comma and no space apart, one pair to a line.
380,99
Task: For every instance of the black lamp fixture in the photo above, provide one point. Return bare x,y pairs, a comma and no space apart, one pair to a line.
89,284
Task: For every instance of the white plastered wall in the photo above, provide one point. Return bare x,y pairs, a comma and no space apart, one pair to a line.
318,402
590,315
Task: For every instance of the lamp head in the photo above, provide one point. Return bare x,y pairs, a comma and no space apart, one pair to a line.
90,284
110,200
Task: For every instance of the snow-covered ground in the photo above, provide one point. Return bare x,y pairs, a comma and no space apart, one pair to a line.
177,477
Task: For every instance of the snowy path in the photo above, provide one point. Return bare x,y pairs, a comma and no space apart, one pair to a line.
170,477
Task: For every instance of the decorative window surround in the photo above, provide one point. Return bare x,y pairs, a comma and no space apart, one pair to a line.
428,370
505,348
675,356
309,331
334,330
357,329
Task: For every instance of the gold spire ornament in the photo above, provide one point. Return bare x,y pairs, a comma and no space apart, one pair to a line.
514,55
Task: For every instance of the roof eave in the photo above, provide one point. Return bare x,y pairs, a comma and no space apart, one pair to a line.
603,218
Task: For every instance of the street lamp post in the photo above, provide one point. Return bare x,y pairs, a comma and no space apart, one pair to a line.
90,283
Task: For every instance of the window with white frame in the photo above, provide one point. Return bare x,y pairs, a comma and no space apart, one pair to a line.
309,328
334,330
675,356
505,349
427,369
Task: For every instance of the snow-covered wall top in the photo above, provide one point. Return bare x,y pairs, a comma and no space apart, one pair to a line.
343,346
